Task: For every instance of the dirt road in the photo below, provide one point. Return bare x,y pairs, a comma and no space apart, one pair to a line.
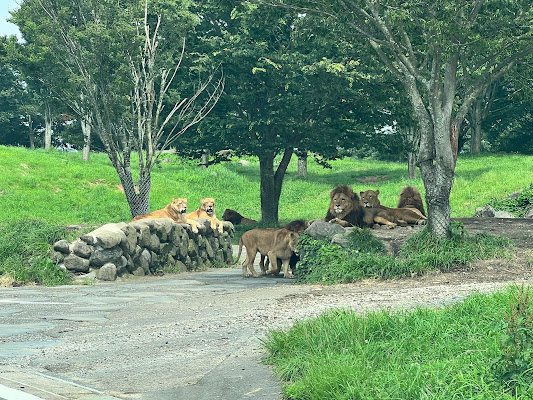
195,335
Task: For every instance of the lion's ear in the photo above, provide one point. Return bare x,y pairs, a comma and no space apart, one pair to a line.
174,199
377,192
202,200
361,193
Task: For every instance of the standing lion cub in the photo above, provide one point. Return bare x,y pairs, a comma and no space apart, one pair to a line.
207,211
174,211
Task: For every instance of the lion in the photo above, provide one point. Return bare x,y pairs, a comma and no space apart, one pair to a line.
235,218
298,226
207,211
174,211
410,197
400,216
344,207
271,242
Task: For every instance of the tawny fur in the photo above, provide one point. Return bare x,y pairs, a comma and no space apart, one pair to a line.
400,216
410,197
207,211
271,242
344,207
174,211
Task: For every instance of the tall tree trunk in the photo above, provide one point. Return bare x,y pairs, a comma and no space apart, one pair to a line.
47,126
86,129
475,133
30,132
204,159
271,184
413,141
302,164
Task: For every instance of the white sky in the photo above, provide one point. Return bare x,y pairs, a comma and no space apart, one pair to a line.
7,28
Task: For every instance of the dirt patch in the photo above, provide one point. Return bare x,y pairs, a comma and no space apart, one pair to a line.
516,267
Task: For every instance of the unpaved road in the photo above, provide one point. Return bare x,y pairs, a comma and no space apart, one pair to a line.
198,335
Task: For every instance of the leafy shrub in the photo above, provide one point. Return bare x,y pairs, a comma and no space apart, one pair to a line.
25,247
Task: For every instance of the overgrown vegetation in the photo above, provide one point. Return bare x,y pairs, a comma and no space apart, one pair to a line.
439,354
363,257
25,247
517,205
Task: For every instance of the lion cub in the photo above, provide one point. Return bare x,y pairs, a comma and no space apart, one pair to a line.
174,211
207,211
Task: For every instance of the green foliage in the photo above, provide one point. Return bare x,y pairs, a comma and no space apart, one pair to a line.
516,205
363,258
437,354
515,365
25,247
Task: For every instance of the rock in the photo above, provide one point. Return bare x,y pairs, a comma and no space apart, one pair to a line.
104,256
503,214
107,236
340,239
244,163
76,264
486,211
62,246
321,230
81,249
108,272
529,213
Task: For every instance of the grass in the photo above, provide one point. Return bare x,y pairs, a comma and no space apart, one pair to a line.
450,353
58,187
364,256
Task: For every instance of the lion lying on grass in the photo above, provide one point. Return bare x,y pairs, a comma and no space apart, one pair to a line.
391,216
344,207
235,218
410,197
174,211
207,211
271,242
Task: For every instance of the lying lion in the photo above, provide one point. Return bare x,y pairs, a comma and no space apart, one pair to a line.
207,211
344,207
271,242
235,218
174,211
410,197
390,216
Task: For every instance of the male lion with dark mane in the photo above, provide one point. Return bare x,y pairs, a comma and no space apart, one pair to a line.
410,197
400,216
344,207
271,242
207,211
174,211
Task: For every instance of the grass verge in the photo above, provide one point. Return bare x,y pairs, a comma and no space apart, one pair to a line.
459,352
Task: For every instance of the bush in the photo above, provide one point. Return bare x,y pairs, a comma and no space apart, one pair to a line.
25,248
518,205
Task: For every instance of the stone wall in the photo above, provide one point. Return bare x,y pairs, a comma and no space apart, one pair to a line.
143,247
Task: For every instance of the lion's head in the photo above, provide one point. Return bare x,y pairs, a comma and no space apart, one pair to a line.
232,216
179,205
343,201
208,205
298,225
369,199
410,197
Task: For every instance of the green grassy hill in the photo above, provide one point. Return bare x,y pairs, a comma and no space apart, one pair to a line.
60,188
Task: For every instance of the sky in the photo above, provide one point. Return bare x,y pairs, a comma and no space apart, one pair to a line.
7,28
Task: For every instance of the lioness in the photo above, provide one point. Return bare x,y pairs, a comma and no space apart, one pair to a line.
344,207
174,211
410,197
207,211
235,218
400,216
298,226
271,242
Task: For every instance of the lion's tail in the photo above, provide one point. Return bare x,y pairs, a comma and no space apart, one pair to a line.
238,255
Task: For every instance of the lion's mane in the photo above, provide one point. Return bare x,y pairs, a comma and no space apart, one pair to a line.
352,212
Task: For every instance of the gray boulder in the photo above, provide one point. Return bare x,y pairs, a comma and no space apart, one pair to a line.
486,211
322,230
108,272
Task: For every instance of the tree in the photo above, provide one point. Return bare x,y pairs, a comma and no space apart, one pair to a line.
275,100
438,49
117,70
